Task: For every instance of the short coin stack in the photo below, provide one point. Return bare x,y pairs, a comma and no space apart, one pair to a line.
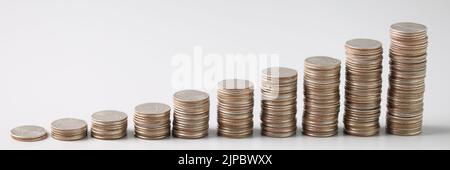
235,108
152,121
191,114
408,58
322,98
109,125
363,87
279,102
69,129
29,133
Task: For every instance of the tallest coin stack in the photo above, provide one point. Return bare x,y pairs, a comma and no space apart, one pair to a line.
408,56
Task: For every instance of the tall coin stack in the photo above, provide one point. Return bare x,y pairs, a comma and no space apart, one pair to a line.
152,121
322,98
363,87
69,129
109,125
235,108
191,114
279,102
408,56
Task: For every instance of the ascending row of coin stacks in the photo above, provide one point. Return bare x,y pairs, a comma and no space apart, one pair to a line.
408,59
363,87
191,114
152,121
279,102
322,98
235,108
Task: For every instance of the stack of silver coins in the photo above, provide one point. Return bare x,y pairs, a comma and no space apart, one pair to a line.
69,129
279,102
363,87
235,108
109,125
29,133
191,114
408,60
322,98
152,121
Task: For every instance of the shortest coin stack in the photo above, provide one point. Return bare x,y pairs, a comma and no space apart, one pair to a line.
152,121
109,125
29,133
69,129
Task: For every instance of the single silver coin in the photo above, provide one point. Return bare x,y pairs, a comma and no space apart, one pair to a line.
191,96
323,62
109,116
68,124
152,108
363,44
409,27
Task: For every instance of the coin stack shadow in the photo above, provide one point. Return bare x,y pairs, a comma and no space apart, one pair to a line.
191,114
109,125
152,121
69,129
363,87
322,98
235,108
279,102
408,58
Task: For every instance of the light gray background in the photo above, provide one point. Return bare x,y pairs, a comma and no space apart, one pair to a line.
72,58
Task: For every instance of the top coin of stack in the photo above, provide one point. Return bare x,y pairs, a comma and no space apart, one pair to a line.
69,129
279,102
191,114
29,133
363,87
152,121
109,125
235,108
408,58
322,98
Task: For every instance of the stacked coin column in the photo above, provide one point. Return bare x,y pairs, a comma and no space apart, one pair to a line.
235,108
152,121
408,58
29,133
363,87
69,129
191,114
109,125
322,98
279,102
